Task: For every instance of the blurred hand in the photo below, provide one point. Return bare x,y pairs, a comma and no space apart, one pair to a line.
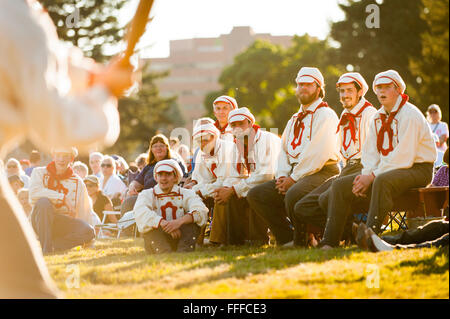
223,194
117,76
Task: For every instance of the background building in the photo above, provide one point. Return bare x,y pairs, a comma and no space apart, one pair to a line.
196,64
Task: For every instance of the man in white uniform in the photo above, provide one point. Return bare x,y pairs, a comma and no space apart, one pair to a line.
398,155
309,156
255,155
353,128
169,216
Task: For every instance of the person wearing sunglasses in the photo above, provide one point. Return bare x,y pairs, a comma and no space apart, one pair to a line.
13,167
112,185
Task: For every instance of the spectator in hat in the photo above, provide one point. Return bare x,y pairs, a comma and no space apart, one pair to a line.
100,201
169,216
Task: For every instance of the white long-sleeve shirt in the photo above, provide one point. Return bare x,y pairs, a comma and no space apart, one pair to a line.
265,152
113,186
41,94
318,143
211,170
412,141
153,205
77,195
352,149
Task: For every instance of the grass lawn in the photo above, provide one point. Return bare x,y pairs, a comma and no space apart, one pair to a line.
122,269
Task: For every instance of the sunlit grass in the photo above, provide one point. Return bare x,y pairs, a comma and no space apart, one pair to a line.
122,269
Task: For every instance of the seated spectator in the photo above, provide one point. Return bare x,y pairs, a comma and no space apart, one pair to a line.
441,177
174,143
100,201
122,168
24,199
95,162
35,161
163,230
80,169
141,161
159,149
16,183
13,167
62,214
112,185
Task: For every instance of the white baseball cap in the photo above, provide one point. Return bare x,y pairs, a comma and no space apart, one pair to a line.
389,76
310,75
168,165
353,77
204,129
227,99
241,114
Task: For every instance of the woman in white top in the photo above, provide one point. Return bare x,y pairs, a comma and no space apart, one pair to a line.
112,185
434,117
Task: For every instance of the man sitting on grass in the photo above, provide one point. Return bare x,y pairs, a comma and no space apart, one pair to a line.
169,216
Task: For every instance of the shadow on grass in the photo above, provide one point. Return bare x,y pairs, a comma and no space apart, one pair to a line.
241,261
436,264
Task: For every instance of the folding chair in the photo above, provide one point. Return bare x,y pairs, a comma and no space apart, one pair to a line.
126,221
107,226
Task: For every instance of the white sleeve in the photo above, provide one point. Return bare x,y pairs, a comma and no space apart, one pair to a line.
144,212
39,83
194,206
204,179
323,145
37,189
283,166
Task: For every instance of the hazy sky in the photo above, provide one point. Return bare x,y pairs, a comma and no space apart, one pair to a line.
184,19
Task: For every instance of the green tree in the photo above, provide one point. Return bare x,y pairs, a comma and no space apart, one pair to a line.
144,114
263,78
391,46
432,67
97,29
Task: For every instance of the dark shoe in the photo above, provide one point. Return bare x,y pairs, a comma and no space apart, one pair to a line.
391,239
361,238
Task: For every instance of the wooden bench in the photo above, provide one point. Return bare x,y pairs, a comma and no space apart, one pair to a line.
418,205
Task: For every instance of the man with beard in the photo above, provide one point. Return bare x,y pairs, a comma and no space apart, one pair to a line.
309,156
398,155
352,128
255,155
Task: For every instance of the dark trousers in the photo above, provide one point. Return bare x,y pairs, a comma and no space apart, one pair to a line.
277,210
434,233
379,201
23,272
157,241
58,232
243,223
309,209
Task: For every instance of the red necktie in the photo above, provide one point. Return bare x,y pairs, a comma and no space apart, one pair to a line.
386,127
350,118
300,126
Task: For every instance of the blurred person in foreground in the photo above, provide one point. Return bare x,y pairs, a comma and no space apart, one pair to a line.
54,96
